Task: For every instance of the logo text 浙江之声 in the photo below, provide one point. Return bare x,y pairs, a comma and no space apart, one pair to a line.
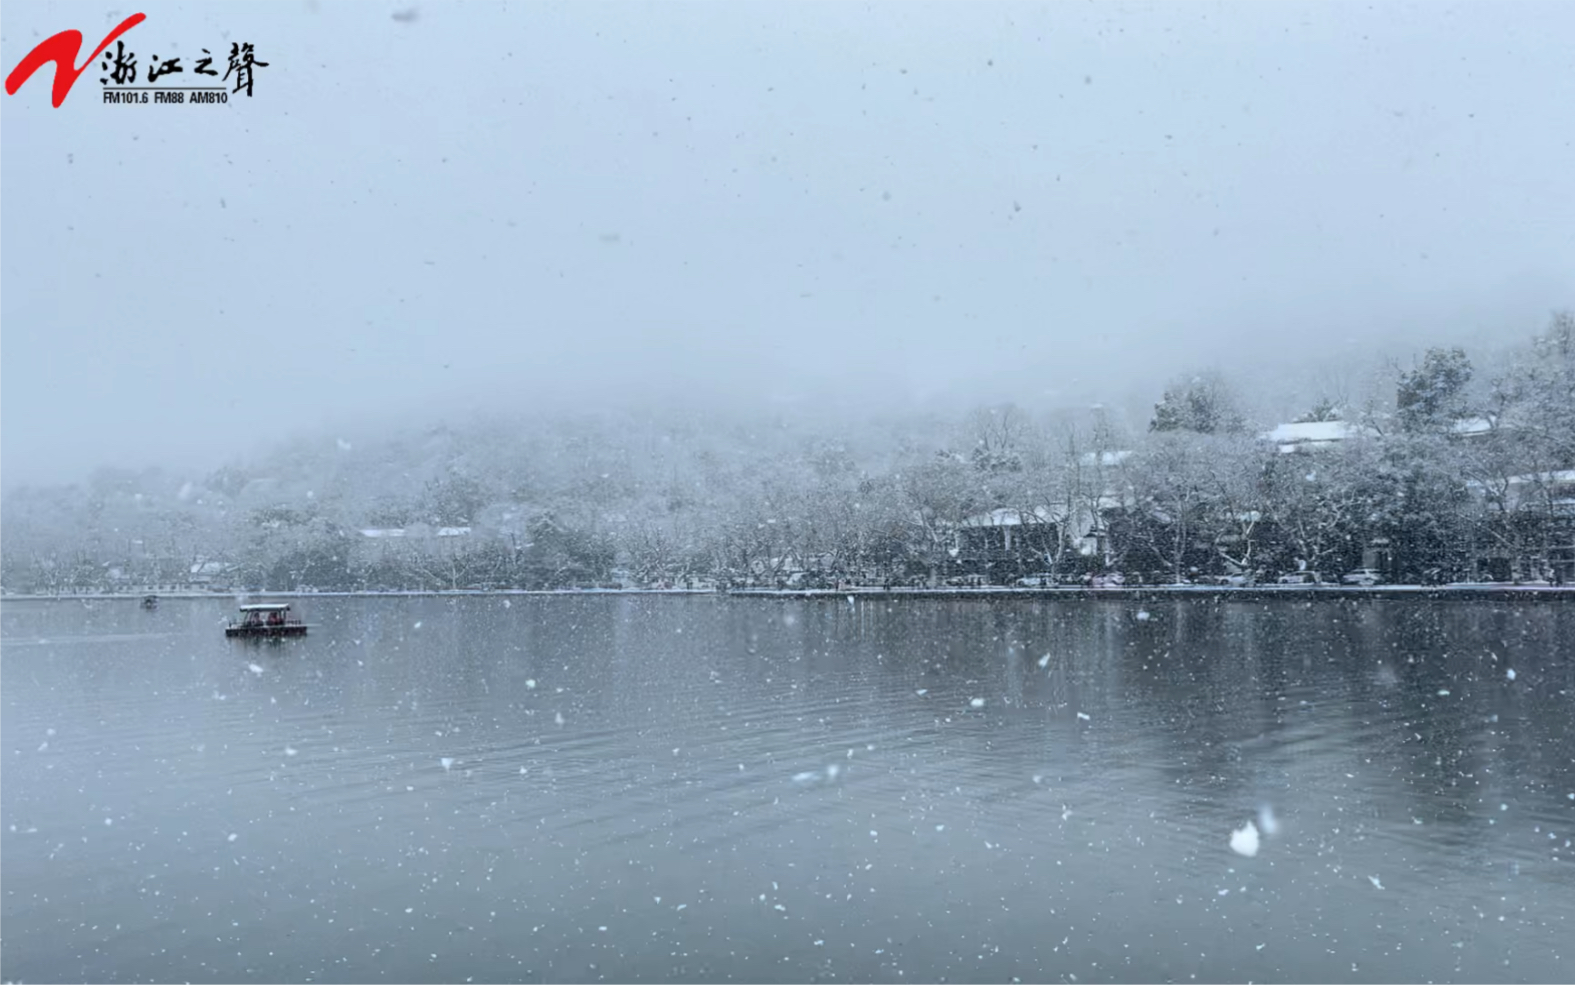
157,80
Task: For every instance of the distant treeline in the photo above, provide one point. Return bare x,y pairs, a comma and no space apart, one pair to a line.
1441,472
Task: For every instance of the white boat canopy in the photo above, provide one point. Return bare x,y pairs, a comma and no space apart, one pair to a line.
266,607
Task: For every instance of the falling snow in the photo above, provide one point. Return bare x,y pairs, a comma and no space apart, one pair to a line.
1244,840
785,370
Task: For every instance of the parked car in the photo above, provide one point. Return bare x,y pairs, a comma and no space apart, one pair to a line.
1365,577
1301,578
1041,580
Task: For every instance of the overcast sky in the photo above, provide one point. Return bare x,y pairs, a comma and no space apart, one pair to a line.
587,204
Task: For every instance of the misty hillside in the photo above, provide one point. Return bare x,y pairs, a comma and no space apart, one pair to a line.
1463,461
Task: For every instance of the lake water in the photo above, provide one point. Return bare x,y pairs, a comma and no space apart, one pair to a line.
665,789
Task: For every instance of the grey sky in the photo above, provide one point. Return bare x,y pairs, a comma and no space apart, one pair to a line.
500,204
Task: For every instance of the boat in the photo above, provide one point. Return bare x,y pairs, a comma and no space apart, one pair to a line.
266,619
150,601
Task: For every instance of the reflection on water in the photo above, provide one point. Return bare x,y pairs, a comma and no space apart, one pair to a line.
658,789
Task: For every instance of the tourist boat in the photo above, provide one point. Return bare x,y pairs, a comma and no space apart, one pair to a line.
266,619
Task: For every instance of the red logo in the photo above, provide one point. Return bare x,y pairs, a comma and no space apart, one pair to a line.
62,49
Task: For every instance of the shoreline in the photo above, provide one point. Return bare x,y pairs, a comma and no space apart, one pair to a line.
1212,593
411,593
1209,593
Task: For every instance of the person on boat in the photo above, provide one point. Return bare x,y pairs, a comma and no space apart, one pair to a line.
276,619
253,619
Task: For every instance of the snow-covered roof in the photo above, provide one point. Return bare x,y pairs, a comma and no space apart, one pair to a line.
209,568
1008,516
453,532
1467,426
383,532
1107,457
1311,431
1532,478
1305,434
266,607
